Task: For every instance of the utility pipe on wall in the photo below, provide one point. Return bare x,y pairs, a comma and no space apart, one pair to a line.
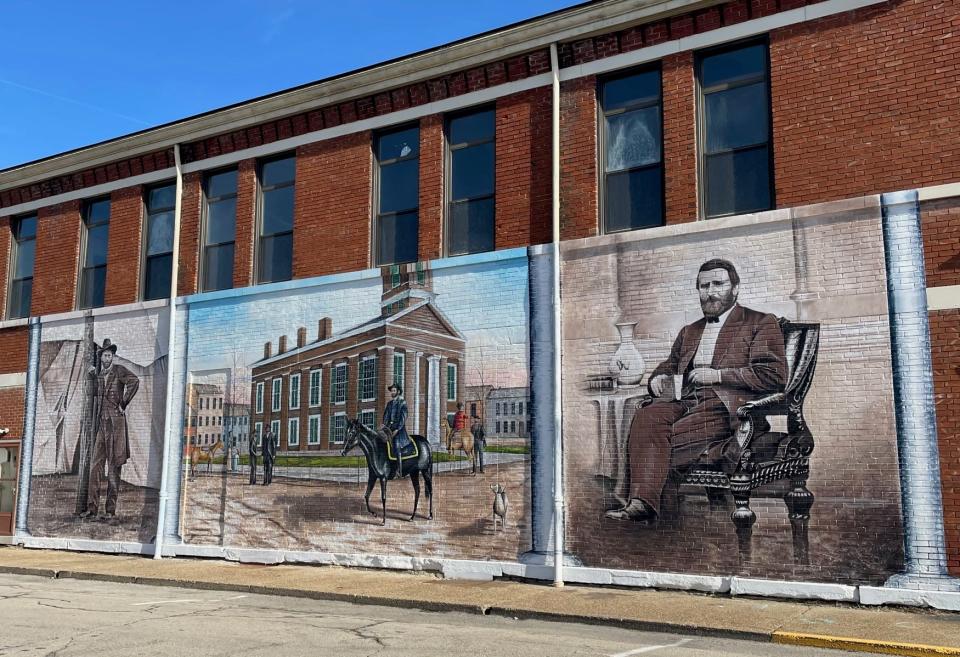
168,422
558,542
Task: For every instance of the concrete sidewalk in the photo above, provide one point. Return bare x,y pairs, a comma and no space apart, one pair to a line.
880,630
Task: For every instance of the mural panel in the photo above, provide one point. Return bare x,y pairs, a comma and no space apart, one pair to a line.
99,427
728,398
299,399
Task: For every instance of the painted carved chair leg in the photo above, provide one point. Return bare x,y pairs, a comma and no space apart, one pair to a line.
743,518
799,501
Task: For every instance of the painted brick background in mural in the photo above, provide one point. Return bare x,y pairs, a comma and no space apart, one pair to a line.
302,362
807,343
99,426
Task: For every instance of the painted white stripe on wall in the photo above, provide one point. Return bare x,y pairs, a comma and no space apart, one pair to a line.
16,380
939,191
946,297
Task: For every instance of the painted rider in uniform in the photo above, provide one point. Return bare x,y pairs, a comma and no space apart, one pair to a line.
394,422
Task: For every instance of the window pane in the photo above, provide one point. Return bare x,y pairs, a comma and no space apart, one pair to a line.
98,211
218,268
405,143
472,127
633,139
25,228
736,117
733,65
471,227
222,184
634,199
162,198
221,221
156,283
278,172
25,254
97,246
160,237
738,182
472,171
278,211
400,186
626,91
20,296
398,236
276,258
92,286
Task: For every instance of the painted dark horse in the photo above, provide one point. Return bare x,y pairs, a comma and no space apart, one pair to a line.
381,469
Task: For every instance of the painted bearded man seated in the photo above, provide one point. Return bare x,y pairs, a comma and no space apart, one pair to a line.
729,357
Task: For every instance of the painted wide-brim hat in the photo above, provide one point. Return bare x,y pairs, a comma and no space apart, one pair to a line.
108,346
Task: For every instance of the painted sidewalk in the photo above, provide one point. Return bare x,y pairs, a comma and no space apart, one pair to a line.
880,630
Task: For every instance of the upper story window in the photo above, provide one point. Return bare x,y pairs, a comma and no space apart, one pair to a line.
632,138
471,160
24,233
93,269
219,230
275,247
736,157
398,196
338,383
159,257
367,378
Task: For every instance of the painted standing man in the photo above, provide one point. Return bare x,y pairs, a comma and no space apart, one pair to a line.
269,450
395,423
479,439
252,453
114,389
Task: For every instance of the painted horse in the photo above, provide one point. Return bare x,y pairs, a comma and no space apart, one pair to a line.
380,468
462,440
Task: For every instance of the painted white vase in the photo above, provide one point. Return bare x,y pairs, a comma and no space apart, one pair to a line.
626,365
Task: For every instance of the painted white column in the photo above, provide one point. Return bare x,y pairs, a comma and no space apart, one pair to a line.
433,399
416,393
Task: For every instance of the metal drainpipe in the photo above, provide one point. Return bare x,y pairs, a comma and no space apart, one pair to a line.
558,542
168,422
29,422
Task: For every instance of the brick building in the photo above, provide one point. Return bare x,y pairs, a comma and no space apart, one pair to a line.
206,414
670,114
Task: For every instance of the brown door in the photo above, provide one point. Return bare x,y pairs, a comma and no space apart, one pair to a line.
9,462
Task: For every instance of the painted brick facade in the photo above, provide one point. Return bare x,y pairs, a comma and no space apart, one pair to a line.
945,343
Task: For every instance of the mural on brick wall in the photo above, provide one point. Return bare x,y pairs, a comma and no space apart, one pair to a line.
99,427
385,411
728,398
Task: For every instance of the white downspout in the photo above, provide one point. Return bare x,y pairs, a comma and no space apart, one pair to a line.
168,422
557,375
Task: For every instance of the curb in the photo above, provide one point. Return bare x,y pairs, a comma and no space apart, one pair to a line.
860,645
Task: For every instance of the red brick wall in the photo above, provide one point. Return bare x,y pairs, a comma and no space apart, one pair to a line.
246,208
941,241
55,267
679,138
187,282
11,410
14,343
5,240
332,206
431,187
523,169
945,342
578,158
124,246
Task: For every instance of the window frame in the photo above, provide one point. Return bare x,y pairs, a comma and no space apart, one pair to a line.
371,379
291,423
334,382
701,123
258,433
204,218
84,245
258,400
276,394
318,372
371,413
13,261
145,239
448,150
602,144
334,418
293,401
403,366
376,259
276,434
452,367
315,417
258,235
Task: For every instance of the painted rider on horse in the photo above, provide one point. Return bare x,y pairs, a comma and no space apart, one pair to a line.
394,423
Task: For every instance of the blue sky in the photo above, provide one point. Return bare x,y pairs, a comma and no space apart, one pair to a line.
75,73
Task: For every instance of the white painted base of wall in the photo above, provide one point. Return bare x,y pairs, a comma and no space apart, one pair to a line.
84,545
879,595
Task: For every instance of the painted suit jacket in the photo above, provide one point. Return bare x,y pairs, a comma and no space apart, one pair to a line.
749,354
395,419
116,387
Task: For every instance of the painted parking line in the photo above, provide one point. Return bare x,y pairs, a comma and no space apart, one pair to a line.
194,600
638,651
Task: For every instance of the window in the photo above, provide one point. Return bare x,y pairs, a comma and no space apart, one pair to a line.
219,230
338,384
473,409
258,433
259,405
398,365
93,273
631,130
394,276
368,418
293,432
470,161
451,382
520,408
513,408
315,382
367,378
450,418
398,195
275,246
421,274
338,428
159,256
294,397
513,426
498,426
24,233
275,428
275,397
736,158
498,408
313,430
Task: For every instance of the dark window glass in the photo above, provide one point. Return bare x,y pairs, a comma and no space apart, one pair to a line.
472,164
159,256
24,231
632,129
736,154
398,197
219,230
276,220
93,273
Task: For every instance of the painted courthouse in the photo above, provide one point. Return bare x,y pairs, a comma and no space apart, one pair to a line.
405,211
